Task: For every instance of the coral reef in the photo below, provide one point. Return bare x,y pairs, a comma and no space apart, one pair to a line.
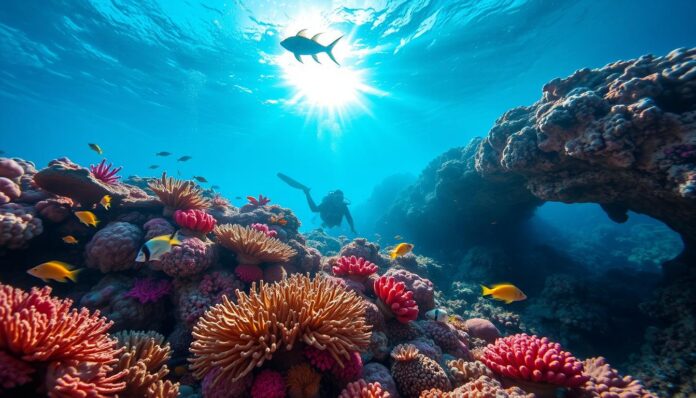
178,195
18,225
395,300
189,258
464,371
604,382
114,247
303,382
252,246
105,173
415,373
483,387
195,220
355,268
149,290
268,384
363,389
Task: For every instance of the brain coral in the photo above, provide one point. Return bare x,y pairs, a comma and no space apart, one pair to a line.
415,372
240,337
605,382
18,225
189,258
114,247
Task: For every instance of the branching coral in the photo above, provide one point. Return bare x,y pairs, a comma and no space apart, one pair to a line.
252,246
195,220
105,173
395,300
303,382
144,362
149,290
38,329
354,267
239,337
261,201
363,389
178,195
534,359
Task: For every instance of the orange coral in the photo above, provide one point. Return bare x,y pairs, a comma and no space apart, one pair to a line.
178,195
240,337
303,382
73,347
464,371
144,360
252,246
363,389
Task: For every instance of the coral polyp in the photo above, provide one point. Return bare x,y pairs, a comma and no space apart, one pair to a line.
104,173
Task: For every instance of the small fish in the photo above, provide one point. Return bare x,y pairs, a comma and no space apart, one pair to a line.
156,247
400,250
437,314
200,179
238,197
398,237
215,187
54,270
96,148
87,217
506,292
301,44
105,202
154,166
69,239
184,158
180,370
163,153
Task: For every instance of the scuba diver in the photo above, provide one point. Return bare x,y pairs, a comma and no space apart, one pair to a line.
332,208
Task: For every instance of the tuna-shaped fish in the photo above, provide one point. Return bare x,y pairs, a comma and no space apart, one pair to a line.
301,44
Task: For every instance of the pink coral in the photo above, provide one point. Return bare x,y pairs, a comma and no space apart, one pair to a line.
320,359
605,382
268,384
422,288
451,340
264,228
249,272
149,290
55,209
18,225
105,173
189,258
195,220
225,388
534,359
482,329
395,300
157,227
261,201
196,298
351,370
354,267
9,191
363,389
114,247
9,168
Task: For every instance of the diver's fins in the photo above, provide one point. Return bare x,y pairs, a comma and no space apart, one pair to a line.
293,183
330,47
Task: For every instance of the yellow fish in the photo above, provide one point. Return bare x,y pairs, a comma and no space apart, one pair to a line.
96,148
55,270
155,248
87,217
70,240
105,202
506,292
400,250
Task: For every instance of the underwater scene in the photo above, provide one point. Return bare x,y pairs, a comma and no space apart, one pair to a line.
348,198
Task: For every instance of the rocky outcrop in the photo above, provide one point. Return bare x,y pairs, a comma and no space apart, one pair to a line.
623,136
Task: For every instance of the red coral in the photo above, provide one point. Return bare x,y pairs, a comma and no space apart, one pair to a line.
261,201
268,384
530,358
395,300
320,359
105,173
356,267
249,272
195,220
351,370
150,290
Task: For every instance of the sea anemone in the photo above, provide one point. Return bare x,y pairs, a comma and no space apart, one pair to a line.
395,300
144,362
195,220
303,382
38,330
356,268
105,173
252,246
178,195
530,358
243,336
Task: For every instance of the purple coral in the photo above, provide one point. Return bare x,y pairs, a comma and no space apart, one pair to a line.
264,228
9,191
157,227
105,173
423,289
195,298
18,225
56,209
9,168
189,258
114,247
149,290
451,340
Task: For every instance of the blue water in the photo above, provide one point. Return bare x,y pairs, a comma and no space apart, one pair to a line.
208,79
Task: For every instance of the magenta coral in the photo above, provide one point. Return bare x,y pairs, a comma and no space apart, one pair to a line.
534,359
13,372
189,258
225,388
264,228
320,359
157,227
105,173
351,370
149,290
268,384
261,201
249,272
356,267
363,389
395,300
195,220
114,247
